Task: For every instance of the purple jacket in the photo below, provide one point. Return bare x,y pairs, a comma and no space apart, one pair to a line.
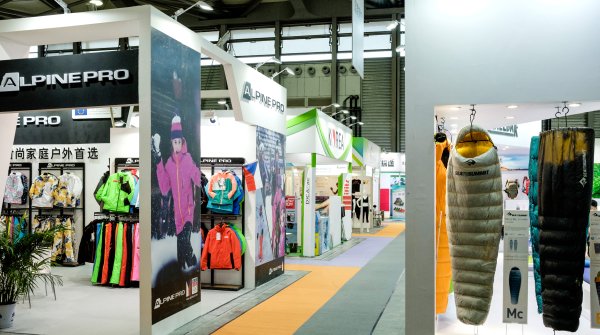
179,175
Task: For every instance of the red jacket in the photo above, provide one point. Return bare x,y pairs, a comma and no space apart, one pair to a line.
222,249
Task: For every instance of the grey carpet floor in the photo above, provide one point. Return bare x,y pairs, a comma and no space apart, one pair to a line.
358,306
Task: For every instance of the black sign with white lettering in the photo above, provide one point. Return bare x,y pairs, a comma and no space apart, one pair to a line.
266,272
95,79
222,161
58,127
127,162
48,166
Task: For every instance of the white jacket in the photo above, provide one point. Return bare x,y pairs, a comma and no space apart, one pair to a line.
68,192
13,192
474,197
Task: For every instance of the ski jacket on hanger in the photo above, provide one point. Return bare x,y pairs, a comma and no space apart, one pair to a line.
13,192
565,166
221,188
474,192
443,271
179,175
42,190
534,227
117,192
68,192
222,249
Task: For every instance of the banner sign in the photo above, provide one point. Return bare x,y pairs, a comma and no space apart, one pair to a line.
358,36
94,79
595,269
175,210
515,273
72,152
58,127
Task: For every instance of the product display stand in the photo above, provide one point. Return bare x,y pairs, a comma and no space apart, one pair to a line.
214,219
61,168
17,210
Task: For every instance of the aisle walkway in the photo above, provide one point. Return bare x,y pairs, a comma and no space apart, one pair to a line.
345,295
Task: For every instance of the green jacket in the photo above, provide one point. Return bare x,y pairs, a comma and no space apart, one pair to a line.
116,194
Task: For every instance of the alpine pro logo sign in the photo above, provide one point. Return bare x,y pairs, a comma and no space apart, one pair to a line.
265,100
96,79
13,81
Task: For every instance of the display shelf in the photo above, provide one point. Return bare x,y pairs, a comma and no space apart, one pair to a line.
224,162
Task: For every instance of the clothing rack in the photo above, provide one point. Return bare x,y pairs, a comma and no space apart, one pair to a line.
216,163
17,210
62,168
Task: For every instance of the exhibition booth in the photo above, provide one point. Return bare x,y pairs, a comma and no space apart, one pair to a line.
318,153
143,207
366,161
507,295
392,185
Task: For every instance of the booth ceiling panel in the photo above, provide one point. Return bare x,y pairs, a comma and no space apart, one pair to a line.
377,102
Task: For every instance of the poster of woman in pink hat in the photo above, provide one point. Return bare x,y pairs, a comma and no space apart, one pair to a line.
175,176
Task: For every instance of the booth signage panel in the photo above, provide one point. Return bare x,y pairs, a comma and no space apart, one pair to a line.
316,132
392,162
95,79
58,127
595,269
515,272
335,138
258,100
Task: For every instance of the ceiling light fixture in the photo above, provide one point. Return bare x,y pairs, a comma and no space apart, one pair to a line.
351,117
334,105
575,104
343,111
356,123
222,102
512,106
287,69
392,25
455,108
97,3
200,4
510,117
270,60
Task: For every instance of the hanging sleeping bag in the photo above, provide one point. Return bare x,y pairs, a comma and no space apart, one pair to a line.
565,169
443,271
474,194
534,227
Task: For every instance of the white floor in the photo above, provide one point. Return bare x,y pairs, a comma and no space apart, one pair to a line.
82,308
448,324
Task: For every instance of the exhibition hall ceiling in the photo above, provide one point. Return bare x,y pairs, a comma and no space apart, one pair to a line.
225,12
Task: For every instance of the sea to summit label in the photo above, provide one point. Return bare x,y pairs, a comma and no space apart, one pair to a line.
472,173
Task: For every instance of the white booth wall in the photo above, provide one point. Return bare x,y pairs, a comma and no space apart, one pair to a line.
482,51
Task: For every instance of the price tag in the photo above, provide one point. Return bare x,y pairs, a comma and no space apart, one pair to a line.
218,236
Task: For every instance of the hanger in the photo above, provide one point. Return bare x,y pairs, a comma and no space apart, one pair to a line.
441,136
565,110
471,119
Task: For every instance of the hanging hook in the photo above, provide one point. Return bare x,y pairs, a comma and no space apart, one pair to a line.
565,113
471,118
557,116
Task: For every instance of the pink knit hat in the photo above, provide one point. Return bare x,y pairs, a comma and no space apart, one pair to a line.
176,131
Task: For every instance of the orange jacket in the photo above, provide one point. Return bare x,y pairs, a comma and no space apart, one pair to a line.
222,249
443,271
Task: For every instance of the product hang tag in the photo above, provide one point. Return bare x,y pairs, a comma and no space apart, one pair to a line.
218,236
